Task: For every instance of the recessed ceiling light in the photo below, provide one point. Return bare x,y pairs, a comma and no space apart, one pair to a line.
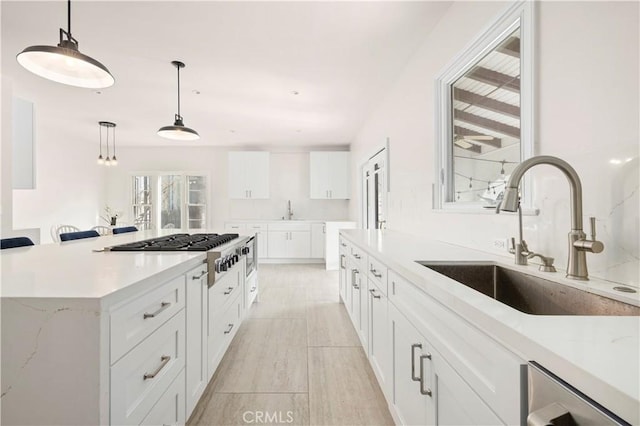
97,92
196,92
295,92
299,131
232,131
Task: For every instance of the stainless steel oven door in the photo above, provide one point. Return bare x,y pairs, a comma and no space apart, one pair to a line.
251,254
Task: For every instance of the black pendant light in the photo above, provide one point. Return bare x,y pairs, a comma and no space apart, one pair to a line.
178,131
64,63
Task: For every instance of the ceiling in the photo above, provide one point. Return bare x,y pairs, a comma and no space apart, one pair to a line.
244,61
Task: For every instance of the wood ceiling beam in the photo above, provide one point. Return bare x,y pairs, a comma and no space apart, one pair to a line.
486,103
473,148
462,131
485,123
494,78
511,47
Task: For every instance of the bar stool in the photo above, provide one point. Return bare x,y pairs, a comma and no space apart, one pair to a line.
8,243
124,229
78,235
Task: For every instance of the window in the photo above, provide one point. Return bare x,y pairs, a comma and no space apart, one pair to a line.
171,200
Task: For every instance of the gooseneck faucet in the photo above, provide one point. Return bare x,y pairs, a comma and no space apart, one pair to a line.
578,243
289,211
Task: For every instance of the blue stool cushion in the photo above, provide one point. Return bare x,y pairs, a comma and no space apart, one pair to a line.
124,229
68,236
8,243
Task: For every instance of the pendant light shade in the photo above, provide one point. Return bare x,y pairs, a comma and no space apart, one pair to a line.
64,63
178,131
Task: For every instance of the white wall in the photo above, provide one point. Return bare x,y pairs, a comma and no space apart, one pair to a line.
587,113
289,180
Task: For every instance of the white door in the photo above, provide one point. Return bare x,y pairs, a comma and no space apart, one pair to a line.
257,173
278,244
318,240
300,244
318,175
374,178
236,176
339,176
408,346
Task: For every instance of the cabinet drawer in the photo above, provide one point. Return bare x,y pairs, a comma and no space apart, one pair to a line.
224,290
142,376
289,226
378,274
169,410
137,319
489,368
359,256
222,328
255,227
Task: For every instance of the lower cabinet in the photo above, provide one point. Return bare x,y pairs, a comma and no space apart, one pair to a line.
170,408
433,366
196,335
289,244
318,239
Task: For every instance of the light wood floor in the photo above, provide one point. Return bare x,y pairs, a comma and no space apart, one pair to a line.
295,360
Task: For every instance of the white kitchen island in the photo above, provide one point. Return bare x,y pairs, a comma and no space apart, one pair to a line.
94,337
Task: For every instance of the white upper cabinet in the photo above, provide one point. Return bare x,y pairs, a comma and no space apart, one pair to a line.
248,175
329,175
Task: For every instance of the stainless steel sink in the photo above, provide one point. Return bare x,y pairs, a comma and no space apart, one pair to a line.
528,293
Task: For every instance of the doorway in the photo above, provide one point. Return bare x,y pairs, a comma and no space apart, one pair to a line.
374,191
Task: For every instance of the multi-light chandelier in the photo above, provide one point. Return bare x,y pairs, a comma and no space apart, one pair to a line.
109,161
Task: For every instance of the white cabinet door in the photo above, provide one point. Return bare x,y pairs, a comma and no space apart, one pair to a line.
344,276
237,175
248,175
379,338
278,244
363,328
356,285
257,173
196,335
318,175
408,346
338,176
260,229
457,404
299,244
318,233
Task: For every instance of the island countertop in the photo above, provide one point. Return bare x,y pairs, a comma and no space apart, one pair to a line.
599,355
79,269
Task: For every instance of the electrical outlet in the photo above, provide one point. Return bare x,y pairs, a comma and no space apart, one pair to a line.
500,243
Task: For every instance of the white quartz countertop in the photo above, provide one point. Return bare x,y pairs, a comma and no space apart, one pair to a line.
73,269
286,220
598,355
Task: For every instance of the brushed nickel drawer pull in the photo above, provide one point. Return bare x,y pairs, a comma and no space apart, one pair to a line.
229,290
373,293
199,276
163,306
229,330
357,256
424,391
165,359
376,274
252,289
413,361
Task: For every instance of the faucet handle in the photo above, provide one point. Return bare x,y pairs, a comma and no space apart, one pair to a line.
592,245
592,219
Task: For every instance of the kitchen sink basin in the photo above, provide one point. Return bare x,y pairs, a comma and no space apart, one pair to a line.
528,293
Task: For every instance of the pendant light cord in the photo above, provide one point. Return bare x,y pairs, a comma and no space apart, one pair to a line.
114,142
69,18
100,129
178,67
107,142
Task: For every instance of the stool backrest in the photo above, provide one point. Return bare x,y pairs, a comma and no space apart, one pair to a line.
124,229
78,235
102,230
8,243
56,230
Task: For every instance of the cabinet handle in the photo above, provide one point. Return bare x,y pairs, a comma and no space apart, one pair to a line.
342,261
330,194
413,361
324,229
165,359
343,244
357,256
373,293
199,276
163,306
229,330
250,194
252,290
229,290
375,273
422,389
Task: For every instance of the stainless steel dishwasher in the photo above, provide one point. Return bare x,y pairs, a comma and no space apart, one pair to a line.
553,402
